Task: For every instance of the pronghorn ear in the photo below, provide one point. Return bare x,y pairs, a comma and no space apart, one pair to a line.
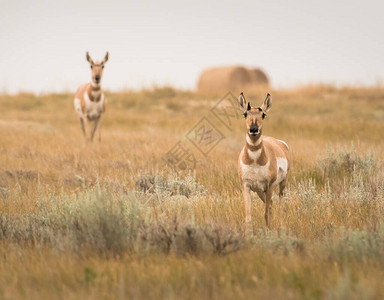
242,101
89,59
267,103
106,58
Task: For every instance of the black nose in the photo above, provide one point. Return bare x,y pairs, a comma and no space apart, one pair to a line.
97,77
253,129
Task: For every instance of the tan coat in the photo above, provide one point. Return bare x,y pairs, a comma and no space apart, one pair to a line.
263,162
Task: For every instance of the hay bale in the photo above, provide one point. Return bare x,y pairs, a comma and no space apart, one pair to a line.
231,78
259,77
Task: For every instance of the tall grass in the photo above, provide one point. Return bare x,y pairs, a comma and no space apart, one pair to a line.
111,220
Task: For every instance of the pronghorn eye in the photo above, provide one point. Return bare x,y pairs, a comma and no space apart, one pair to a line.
245,114
91,67
102,67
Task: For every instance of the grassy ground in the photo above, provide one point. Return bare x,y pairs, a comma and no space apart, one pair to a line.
113,220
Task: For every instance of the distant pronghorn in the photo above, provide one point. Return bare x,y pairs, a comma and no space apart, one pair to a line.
263,161
90,100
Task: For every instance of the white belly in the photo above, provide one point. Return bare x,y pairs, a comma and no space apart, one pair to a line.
255,176
259,177
93,110
78,107
282,170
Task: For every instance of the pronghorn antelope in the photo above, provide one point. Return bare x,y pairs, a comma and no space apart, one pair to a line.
263,161
90,100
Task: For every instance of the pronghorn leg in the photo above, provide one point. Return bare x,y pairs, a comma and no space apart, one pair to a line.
247,203
100,130
94,128
86,126
268,208
261,196
281,195
83,122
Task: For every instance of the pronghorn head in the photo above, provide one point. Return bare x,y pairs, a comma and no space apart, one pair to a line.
97,68
254,116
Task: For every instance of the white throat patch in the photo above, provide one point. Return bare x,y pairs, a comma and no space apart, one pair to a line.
95,85
250,142
254,154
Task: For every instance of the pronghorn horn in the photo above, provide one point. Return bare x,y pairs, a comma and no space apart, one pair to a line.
89,59
267,103
242,101
249,106
106,57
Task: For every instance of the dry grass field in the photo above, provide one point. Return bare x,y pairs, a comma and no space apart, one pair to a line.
112,220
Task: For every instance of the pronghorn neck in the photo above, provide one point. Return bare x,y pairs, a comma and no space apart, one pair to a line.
95,86
94,92
254,143
254,152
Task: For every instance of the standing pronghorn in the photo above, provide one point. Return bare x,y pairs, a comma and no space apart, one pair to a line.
263,161
90,100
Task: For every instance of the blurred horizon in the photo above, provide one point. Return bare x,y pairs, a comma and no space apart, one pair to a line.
170,43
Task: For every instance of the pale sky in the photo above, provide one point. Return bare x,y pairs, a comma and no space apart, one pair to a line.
43,43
